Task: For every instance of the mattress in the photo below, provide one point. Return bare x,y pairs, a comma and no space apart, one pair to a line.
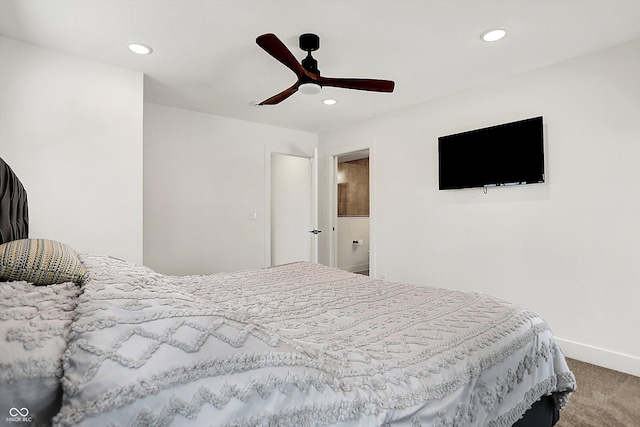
299,344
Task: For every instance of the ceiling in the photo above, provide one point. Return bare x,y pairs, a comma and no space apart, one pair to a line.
205,57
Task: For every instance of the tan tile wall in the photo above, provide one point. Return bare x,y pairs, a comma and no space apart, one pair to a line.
353,188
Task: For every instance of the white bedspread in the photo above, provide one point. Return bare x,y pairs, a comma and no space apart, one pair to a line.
33,326
296,345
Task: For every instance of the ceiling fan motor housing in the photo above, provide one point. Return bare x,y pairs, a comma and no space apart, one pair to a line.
310,64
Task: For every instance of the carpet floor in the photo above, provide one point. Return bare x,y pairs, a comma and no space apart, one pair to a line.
604,398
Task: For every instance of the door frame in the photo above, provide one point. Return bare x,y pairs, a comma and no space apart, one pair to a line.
333,155
269,151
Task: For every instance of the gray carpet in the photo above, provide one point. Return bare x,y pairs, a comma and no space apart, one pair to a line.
604,398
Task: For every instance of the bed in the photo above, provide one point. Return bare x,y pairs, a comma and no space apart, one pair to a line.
301,344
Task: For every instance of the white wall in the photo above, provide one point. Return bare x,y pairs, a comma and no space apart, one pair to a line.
71,129
568,249
202,176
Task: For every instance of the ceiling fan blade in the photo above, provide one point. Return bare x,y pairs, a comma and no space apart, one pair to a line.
274,47
276,99
359,84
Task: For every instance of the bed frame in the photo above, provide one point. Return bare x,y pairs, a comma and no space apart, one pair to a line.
543,413
14,225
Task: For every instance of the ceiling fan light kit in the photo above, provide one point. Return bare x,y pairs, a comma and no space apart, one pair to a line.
309,79
310,88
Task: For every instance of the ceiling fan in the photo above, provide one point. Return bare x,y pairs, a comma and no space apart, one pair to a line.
309,79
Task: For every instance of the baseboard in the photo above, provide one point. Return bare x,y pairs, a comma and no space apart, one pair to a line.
355,268
601,357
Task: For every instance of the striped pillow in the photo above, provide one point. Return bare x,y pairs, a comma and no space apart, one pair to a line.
41,262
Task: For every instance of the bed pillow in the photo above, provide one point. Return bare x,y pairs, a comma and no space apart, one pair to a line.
41,262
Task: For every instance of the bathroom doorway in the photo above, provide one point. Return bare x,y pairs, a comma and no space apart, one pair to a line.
352,224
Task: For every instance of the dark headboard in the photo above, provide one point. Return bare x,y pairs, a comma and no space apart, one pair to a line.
14,212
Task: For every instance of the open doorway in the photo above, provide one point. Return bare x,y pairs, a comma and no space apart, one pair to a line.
352,224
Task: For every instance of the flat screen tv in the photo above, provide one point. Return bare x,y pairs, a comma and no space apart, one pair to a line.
506,154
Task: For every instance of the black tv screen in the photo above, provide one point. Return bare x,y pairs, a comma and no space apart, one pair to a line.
506,154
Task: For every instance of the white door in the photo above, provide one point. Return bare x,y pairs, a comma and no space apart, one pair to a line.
293,209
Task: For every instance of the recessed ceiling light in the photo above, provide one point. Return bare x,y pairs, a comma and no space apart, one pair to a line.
493,35
139,48
329,101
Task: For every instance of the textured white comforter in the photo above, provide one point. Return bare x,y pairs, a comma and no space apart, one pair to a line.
34,321
296,345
